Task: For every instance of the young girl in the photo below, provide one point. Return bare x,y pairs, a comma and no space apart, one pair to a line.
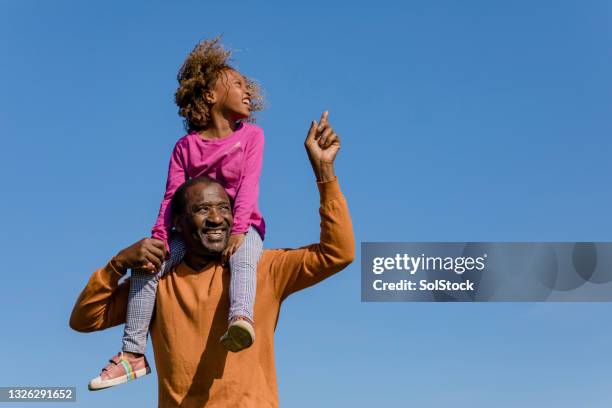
216,101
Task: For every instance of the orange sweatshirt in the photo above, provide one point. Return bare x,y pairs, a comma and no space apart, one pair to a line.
193,369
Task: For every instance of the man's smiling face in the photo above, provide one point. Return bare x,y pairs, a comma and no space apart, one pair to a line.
206,222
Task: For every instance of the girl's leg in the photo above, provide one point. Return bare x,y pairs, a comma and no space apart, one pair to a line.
240,333
243,265
141,300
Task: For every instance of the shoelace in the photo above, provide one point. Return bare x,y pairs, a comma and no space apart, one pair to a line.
111,364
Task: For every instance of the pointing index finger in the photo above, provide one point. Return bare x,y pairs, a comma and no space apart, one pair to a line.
323,121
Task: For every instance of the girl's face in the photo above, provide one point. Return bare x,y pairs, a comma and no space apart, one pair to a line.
230,95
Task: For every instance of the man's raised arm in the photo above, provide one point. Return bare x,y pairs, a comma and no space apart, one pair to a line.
293,270
103,302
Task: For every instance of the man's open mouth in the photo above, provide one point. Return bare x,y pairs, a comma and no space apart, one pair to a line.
214,234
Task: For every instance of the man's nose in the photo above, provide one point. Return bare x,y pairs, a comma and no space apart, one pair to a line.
214,216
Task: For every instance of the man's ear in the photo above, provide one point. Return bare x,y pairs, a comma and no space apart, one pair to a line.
177,225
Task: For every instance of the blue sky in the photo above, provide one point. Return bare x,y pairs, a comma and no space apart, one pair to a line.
460,121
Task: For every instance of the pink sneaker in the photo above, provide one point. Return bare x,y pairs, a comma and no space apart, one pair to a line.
239,335
119,370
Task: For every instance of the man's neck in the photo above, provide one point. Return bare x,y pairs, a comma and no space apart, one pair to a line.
198,262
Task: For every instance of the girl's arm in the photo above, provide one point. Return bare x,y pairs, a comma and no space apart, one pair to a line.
177,175
248,191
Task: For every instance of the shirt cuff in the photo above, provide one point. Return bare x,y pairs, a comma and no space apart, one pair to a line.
329,190
114,270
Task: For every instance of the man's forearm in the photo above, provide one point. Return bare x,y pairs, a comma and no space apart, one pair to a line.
102,303
300,268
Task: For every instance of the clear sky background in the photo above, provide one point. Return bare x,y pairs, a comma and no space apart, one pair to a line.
460,121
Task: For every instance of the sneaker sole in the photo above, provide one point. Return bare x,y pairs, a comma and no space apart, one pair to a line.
96,386
238,338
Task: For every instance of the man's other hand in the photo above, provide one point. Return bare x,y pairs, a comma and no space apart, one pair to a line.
148,254
322,144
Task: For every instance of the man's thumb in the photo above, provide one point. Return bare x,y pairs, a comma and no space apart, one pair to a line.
312,131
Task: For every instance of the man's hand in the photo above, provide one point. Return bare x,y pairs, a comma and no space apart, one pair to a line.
322,145
148,254
232,245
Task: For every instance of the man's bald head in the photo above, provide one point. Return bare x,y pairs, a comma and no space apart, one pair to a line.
179,201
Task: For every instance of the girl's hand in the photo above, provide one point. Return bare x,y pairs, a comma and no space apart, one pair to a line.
232,245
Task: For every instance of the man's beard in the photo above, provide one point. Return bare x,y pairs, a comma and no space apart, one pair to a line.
207,247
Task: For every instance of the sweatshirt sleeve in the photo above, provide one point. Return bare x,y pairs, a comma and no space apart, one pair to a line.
247,193
103,302
177,175
295,269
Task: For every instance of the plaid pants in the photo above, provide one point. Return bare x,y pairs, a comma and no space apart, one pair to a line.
143,286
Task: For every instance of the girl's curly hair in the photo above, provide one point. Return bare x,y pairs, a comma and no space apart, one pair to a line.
198,74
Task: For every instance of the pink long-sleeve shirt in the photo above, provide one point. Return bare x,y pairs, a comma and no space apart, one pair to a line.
234,161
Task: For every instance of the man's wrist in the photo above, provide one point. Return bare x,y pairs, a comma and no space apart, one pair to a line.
117,266
329,190
325,172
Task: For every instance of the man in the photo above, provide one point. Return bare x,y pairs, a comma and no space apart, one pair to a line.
194,370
